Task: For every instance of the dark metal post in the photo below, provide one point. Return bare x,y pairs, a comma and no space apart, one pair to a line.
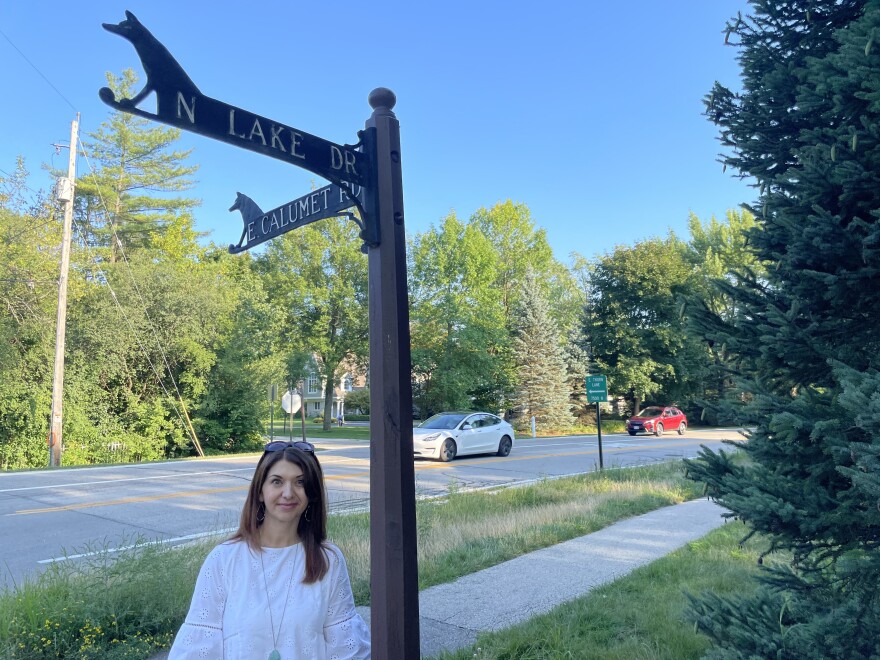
599,427
272,393
394,566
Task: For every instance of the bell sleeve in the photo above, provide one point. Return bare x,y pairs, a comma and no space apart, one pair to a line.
201,635
345,632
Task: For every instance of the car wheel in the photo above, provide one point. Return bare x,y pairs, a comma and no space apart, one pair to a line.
659,430
631,432
682,428
447,451
505,446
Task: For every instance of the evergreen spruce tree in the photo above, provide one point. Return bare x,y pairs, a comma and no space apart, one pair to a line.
805,336
542,390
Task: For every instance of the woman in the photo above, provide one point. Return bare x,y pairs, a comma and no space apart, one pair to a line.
277,589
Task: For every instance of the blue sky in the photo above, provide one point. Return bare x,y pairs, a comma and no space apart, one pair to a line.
587,112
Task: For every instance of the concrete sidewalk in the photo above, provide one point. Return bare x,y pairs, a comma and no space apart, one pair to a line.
453,614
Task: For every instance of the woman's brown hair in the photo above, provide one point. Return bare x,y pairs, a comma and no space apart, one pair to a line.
312,528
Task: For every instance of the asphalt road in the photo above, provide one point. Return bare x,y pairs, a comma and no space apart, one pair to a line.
63,515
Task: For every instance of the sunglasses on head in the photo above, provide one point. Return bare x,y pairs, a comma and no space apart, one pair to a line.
279,446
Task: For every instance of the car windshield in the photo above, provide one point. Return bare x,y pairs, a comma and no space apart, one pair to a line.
651,411
446,421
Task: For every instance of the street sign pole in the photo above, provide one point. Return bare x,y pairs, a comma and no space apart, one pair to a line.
393,543
597,391
302,408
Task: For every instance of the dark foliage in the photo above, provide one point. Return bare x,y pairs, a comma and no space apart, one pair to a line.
805,341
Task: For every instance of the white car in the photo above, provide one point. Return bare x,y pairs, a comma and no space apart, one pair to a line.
449,434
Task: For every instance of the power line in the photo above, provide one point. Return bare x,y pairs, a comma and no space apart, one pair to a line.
49,82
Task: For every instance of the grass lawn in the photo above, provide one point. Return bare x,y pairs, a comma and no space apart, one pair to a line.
313,431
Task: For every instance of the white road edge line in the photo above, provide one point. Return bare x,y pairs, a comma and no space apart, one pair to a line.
189,537
113,481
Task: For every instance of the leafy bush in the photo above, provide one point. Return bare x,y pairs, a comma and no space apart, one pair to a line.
358,400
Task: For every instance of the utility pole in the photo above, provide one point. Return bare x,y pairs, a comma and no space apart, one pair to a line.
64,193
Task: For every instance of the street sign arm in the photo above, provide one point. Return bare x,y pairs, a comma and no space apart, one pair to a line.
180,103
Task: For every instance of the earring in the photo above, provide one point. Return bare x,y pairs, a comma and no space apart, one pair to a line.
307,512
261,513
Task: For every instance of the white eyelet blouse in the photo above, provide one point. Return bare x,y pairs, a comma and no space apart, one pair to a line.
229,619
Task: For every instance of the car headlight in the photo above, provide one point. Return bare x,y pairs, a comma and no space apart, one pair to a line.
431,438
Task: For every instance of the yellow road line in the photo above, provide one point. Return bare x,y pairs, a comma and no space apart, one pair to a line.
130,500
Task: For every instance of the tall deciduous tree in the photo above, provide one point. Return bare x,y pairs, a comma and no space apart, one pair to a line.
133,198
317,274
719,254
520,245
30,237
542,390
157,328
231,413
633,320
458,324
806,335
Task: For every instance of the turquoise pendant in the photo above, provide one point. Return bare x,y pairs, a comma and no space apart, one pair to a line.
274,655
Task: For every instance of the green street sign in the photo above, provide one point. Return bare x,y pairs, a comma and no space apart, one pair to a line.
597,389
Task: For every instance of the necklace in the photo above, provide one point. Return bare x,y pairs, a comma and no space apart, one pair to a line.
275,654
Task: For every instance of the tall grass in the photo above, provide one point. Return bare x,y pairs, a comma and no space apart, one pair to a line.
127,605
469,531
110,605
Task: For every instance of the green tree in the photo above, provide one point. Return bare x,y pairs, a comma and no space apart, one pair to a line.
358,400
577,353
317,276
542,388
520,246
805,335
30,236
157,327
458,324
633,321
132,200
718,252
231,413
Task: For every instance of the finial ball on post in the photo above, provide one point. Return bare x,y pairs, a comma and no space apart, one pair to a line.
382,97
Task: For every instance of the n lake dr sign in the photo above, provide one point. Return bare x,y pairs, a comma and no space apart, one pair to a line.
179,103
213,118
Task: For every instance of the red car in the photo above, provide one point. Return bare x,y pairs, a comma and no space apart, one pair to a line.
656,420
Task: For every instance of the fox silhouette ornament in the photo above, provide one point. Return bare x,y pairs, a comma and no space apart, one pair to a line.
164,75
